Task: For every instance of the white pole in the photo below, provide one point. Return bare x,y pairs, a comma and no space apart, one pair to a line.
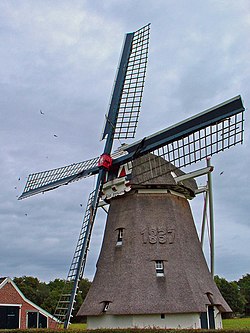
204,217
211,217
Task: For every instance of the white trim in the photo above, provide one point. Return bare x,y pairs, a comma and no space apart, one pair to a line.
45,313
153,190
160,190
3,283
177,194
20,315
194,174
3,304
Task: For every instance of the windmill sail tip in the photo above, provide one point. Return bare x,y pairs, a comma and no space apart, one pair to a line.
20,197
124,109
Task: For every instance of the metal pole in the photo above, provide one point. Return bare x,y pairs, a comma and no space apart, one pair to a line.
204,217
211,217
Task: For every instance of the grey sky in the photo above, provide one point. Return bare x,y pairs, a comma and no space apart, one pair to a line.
61,57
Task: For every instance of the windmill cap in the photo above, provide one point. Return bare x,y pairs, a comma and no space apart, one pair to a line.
153,171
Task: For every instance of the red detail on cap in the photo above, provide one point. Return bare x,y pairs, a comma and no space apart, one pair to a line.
105,161
123,172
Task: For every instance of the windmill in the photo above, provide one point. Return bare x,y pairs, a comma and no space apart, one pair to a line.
150,166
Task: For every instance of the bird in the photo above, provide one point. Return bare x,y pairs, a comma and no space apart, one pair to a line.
41,112
55,136
81,205
26,214
19,178
221,173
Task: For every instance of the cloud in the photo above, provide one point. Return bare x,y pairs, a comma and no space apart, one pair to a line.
62,59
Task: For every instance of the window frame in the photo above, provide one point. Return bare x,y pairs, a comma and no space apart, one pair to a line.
120,235
105,306
159,268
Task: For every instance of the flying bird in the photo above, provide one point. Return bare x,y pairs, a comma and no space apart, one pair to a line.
55,136
221,173
41,112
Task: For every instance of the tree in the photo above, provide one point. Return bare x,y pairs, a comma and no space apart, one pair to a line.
244,284
231,293
47,295
32,288
84,286
55,289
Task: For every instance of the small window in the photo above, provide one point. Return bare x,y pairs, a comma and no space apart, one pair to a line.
119,237
159,268
162,316
36,320
105,306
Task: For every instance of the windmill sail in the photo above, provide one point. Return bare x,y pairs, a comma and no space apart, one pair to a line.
124,75
194,139
121,121
65,305
51,179
187,142
127,94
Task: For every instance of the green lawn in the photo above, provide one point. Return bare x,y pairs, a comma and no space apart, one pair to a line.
78,326
227,324
236,323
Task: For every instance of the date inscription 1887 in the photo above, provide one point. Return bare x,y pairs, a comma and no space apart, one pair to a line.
160,235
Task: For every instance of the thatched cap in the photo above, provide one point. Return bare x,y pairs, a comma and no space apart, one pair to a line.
152,171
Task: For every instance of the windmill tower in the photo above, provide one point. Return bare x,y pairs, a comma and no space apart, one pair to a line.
151,270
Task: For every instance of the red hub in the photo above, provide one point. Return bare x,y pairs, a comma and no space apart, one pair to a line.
105,161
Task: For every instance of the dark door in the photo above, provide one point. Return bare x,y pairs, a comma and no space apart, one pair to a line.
32,319
211,317
9,317
203,318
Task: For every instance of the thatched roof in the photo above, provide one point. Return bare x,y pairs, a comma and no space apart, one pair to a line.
154,171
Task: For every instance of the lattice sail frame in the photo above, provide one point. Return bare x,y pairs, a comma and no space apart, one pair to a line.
197,146
47,180
205,142
131,98
79,259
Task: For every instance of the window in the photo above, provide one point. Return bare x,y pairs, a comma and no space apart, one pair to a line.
36,320
159,268
119,236
105,306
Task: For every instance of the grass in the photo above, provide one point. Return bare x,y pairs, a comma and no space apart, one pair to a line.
235,323
78,326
